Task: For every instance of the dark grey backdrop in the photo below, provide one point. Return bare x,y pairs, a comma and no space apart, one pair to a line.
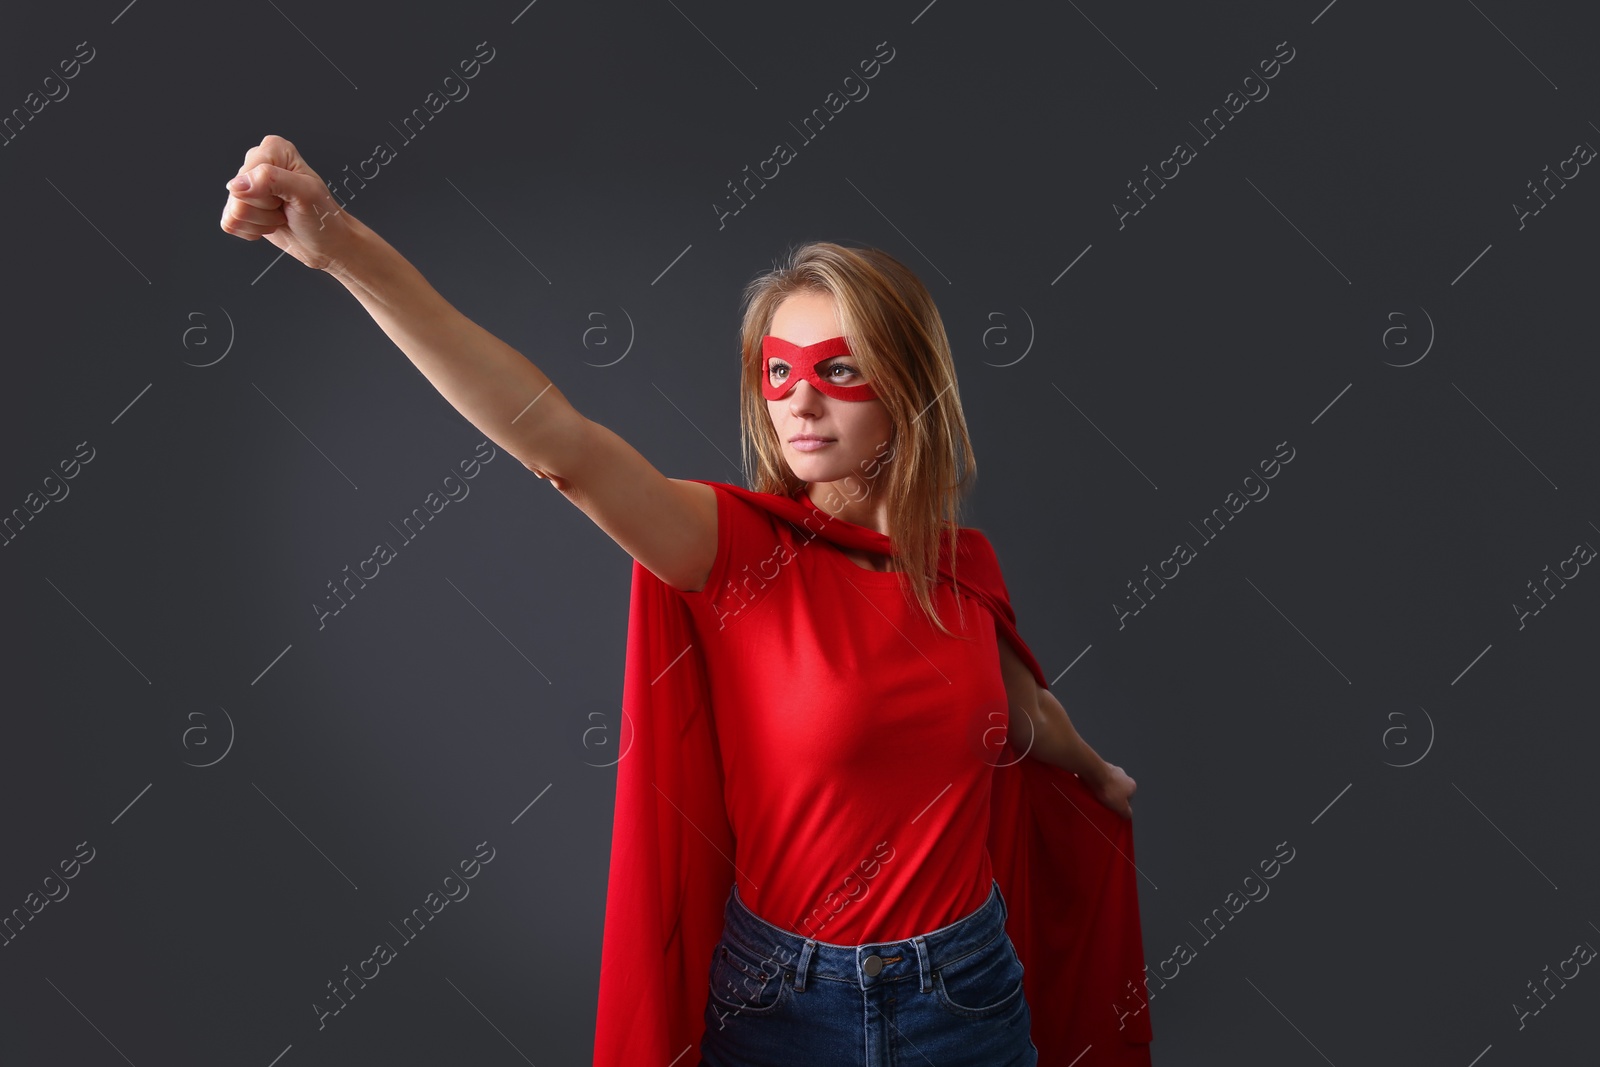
1344,671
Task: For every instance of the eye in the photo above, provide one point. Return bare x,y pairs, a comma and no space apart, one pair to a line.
776,370
847,368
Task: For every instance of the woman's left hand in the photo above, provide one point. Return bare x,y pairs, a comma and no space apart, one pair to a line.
1113,788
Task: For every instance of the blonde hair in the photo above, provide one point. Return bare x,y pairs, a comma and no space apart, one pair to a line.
898,342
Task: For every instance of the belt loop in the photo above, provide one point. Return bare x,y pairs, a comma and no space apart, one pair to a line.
924,966
802,964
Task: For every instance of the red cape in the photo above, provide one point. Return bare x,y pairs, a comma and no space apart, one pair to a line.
1063,860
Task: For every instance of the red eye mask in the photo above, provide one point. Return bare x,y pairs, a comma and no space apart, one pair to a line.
802,363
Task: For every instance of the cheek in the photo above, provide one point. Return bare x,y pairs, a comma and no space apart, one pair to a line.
876,423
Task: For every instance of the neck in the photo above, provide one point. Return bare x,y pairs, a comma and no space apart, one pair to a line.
851,499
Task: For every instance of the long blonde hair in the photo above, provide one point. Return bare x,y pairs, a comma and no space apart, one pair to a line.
898,341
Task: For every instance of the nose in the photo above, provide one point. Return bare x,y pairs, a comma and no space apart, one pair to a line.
804,398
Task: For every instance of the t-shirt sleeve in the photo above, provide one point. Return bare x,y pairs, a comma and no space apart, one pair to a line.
980,553
745,535
982,561
981,557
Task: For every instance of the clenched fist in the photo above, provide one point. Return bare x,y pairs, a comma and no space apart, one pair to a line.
278,196
1114,788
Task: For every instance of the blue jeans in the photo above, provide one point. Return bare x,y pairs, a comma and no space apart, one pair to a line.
951,997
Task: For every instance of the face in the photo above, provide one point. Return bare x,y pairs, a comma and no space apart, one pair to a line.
856,431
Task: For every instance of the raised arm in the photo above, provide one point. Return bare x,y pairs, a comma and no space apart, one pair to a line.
668,524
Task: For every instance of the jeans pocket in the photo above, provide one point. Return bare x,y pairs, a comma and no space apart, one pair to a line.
983,983
744,980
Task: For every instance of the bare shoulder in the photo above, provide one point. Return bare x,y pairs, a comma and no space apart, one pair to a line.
701,500
668,525
699,492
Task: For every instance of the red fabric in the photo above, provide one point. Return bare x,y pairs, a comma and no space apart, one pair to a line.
859,744
1064,862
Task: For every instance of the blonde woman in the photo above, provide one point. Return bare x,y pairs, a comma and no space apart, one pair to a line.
822,869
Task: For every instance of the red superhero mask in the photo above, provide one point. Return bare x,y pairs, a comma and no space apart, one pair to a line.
802,363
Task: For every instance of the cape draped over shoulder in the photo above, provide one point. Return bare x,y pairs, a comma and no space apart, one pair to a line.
1064,862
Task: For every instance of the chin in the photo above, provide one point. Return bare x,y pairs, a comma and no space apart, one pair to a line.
811,466
804,474
805,470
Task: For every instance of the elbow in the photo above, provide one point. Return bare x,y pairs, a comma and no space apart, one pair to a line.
552,447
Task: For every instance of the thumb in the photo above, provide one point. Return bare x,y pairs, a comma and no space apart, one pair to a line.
264,185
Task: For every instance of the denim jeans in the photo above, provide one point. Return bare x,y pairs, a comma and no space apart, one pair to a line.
950,997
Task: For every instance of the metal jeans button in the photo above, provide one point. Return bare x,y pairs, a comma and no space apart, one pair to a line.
872,964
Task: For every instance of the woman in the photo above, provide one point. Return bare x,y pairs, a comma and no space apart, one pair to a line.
863,697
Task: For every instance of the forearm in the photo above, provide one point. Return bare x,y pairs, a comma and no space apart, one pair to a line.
1056,741
493,385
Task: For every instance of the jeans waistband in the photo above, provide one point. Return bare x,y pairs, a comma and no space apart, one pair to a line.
872,963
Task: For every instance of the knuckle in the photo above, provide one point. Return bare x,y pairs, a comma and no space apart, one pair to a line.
260,175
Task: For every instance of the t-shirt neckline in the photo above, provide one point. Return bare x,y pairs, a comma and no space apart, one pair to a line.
849,565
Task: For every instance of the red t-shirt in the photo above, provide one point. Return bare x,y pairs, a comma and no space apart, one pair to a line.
858,743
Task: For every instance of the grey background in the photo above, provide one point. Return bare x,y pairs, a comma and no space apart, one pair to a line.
1358,618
